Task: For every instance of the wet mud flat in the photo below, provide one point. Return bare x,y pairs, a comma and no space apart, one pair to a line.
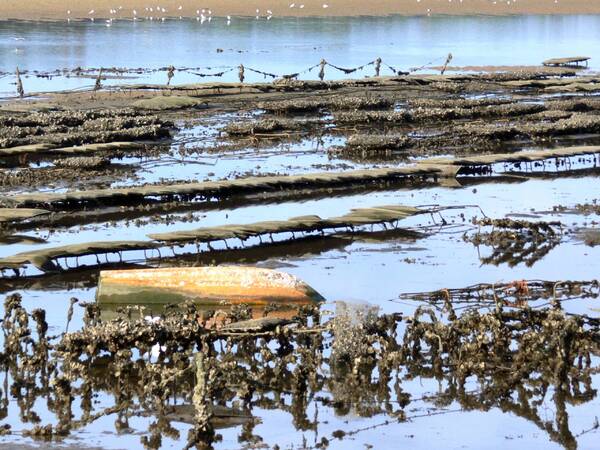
435,213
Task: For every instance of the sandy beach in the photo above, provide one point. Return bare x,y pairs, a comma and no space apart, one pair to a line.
124,9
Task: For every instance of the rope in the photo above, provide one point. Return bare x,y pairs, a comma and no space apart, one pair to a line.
215,74
416,69
345,70
197,71
266,74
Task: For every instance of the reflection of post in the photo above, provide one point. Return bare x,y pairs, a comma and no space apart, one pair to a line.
201,389
202,434
564,434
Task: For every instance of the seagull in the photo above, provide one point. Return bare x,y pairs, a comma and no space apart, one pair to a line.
325,5
292,5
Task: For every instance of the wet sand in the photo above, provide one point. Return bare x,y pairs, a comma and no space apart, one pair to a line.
123,9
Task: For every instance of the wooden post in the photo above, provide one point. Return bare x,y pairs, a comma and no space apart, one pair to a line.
20,89
377,66
323,63
98,84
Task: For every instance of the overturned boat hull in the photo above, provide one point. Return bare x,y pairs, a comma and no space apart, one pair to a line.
205,285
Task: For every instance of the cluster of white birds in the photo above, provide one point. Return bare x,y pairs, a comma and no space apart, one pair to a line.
160,13
205,15
301,6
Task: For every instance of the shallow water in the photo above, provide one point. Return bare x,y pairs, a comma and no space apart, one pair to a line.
375,272
285,45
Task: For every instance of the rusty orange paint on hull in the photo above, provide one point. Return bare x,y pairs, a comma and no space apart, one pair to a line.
233,284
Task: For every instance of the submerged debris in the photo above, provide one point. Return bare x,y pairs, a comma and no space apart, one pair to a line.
589,236
516,293
516,241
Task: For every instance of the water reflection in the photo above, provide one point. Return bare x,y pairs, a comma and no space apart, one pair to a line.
176,371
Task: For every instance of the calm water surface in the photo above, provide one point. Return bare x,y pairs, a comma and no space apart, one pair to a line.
286,45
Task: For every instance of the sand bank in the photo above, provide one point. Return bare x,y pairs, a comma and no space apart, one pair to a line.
102,9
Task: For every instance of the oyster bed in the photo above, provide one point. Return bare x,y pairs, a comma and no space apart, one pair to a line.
451,222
